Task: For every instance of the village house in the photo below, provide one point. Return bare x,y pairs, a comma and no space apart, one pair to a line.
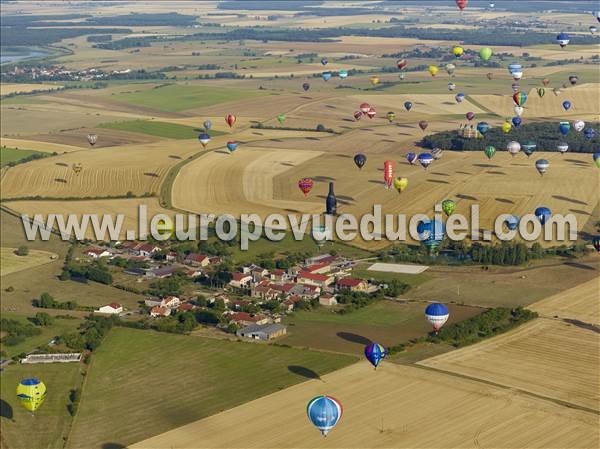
306,291
351,284
265,292
247,319
186,307
97,253
289,304
160,311
162,272
327,299
318,268
321,280
171,256
170,302
140,249
193,272
278,275
197,260
240,280
262,332
113,308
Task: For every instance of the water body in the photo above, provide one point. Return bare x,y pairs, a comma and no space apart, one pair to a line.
27,54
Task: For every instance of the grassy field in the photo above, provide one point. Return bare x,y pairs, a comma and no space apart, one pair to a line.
160,129
178,97
392,407
580,303
194,378
8,88
413,280
386,322
11,263
49,427
14,154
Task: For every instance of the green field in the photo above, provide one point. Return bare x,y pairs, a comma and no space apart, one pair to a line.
411,279
8,155
177,97
50,425
143,383
160,129
386,322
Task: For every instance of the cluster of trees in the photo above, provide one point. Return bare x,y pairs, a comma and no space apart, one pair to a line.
545,134
171,286
358,300
46,301
16,331
489,323
97,272
74,398
90,334
319,128
100,38
25,36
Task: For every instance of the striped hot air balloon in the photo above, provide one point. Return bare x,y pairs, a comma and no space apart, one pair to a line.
542,166
306,185
375,353
388,173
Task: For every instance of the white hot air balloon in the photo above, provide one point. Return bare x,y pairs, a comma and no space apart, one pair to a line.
513,147
578,125
563,147
542,166
518,110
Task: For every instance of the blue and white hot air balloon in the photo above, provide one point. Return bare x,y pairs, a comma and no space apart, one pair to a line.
425,159
411,158
326,76
204,138
437,314
543,214
516,121
343,74
563,40
589,133
374,353
431,233
324,412
516,71
232,146
324,61
566,105
459,97
512,222
542,166
564,128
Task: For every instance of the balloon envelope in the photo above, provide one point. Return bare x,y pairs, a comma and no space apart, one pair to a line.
459,98
402,63
563,40
543,214
305,185
483,127
324,412
542,166
425,159
448,206
204,139
326,76
305,86
512,222
423,124
520,98
433,70
411,158
516,121
564,128
578,125
567,105
31,393
490,151
232,145
230,119
207,125
437,314
513,147
485,53
470,115
400,184
408,105
360,160
375,353
343,74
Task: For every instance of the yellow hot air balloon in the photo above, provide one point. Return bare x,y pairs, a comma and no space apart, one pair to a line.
165,228
458,51
374,80
506,127
433,70
400,184
31,393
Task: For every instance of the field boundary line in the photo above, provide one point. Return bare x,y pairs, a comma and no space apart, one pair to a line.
470,99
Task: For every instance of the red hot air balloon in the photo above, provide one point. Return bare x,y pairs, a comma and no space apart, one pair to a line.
358,115
371,112
388,174
364,108
306,185
423,124
402,63
230,119
462,4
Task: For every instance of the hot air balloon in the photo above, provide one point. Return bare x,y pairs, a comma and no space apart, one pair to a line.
431,233
364,107
230,119
556,91
388,173
77,167
433,70
423,125
512,222
374,353
448,206
458,51
564,128
566,105
515,87
411,158
506,127
207,125
450,68
92,139
518,110
596,158
459,97
390,116
563,147
408,105
462,4
437,314
516,70
401,76
31,393
489,75
400,184
543,214
593,29
492,5
545,82
324,412
513,147
529,147
401,64
589,133
326,76
517,75
281,118
563,40
374,80
470,115
541,91
516,121
371,112
357,115
437,153
324,61
573,79
360,160
483,128
451,86
343,74
597,14
578,125
425,159
489,151
232,146
204,139
542,166
485,53
306,185
305,86
520,98
596,242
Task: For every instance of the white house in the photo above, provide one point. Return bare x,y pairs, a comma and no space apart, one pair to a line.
170,302
113,308
160,311
240,280
97,253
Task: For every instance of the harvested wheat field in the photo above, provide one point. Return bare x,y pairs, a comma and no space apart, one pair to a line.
46,147
579,303
395,406
546,357
7,88
11,263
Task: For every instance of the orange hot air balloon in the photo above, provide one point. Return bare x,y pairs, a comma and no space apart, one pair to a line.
462,4
306,185
388,174
230,119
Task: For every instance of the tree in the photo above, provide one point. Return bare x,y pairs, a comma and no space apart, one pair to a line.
43,319
22,251
47,301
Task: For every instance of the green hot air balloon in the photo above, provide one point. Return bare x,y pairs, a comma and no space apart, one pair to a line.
448,206
485,53
490,151
281,118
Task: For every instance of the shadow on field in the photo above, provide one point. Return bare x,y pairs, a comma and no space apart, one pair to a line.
438,181
580,265
222,152
152,175
504,200
388,140
375,181
579,211
343,155
62,164
323,178
287,164
465,197
312,138
61,180
463,172
113,446
439,173
6,410
303,371
486,165
354,338
501,173
571,200
173,156
575,161
583,325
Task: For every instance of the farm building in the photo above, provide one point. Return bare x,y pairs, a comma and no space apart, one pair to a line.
353,285
327,300
160,311
262,331
112,308
240,280
97,253
197,260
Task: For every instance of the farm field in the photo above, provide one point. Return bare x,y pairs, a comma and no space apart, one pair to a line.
8,155
197,377
578,303
11,263
7,88
160,129
392,407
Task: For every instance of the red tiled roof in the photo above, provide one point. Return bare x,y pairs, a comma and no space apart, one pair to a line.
349,282
278,272
244,316
313,276
159,310
315,267
96,251
196,257
237,276
115,305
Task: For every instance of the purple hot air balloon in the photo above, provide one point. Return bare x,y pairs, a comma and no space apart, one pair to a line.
411,158
470,115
